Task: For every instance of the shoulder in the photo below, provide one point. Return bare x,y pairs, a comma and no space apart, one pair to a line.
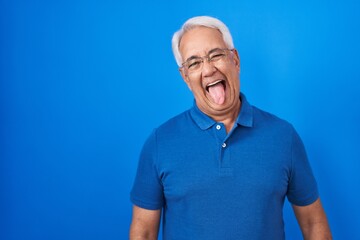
164,134
175,124
264,117
268,122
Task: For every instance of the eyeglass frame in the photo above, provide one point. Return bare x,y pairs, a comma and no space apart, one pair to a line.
207,57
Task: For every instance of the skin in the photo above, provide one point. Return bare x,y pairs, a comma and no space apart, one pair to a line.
312,221
145,224
198,42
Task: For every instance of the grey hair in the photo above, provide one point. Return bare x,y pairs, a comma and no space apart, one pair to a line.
204,21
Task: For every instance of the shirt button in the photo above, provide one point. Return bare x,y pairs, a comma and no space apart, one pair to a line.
224,145
218,127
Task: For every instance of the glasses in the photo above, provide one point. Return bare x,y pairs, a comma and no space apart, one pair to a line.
195,64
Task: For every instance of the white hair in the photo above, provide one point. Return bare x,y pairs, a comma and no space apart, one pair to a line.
194,22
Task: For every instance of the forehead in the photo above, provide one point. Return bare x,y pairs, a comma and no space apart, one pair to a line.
199,41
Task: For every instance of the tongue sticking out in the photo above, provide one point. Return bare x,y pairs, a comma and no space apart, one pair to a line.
217,93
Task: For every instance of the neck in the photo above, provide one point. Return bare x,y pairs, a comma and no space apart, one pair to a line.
229,118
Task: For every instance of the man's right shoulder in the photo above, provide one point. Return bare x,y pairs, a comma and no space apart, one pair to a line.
176,123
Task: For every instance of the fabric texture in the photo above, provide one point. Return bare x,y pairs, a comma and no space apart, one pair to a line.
217,185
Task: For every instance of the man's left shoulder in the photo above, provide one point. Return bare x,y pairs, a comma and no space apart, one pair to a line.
270,120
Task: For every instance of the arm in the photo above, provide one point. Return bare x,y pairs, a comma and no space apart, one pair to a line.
312,221
145,224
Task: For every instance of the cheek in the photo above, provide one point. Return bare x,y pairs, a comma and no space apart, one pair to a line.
189,85
194,85
234,80
187,81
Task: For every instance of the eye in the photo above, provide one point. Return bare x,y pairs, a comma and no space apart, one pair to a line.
193,64
216,56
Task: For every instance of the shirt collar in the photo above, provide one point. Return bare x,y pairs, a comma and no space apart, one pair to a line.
204,122
245,117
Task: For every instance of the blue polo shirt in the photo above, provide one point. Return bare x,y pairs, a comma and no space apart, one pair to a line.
214,185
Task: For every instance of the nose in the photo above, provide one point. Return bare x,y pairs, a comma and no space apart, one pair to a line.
208,68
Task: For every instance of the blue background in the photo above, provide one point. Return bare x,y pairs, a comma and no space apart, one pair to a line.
83,83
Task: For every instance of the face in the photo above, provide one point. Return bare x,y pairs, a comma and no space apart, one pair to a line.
215,86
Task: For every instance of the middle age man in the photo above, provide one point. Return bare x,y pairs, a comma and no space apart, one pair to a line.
222,169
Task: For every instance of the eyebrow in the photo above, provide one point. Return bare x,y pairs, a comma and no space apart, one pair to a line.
195,56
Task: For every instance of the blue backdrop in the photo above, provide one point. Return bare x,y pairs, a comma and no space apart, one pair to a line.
83,83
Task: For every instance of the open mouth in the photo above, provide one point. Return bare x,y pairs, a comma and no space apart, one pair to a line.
217,91
222,82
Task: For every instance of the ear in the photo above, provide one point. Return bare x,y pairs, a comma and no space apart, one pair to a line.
185,77
236,59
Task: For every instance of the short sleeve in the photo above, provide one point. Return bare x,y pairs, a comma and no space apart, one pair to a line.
302,188
147,191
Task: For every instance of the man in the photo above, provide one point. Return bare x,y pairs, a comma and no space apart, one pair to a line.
222,169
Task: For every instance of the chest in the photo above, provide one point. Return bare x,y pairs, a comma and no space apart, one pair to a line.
208,166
